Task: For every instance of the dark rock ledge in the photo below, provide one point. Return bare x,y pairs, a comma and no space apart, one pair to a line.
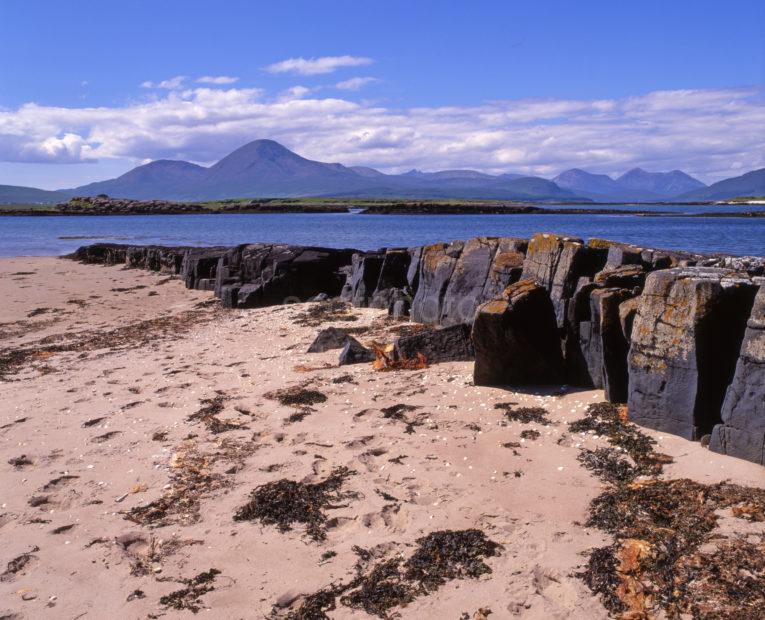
678,336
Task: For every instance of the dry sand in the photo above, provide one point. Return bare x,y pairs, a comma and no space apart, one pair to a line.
102,416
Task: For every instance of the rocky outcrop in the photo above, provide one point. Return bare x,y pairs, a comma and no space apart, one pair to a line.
557,263
362,278
199,267
685,341
742,429
437,263
664,331
268,274
516,338
355,353
328,339
440,344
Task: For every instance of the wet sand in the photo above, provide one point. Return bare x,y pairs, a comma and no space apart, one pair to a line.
101,416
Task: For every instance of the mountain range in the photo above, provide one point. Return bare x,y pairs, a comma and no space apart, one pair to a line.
266,169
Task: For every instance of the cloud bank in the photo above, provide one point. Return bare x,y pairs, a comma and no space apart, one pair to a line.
317,66
708,133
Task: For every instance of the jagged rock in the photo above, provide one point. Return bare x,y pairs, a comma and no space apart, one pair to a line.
355,353
363,278
392,277
556,263
603,344
465,288
506,267
516,338
627,312
742,432
442,344
328,339
413,273
400,303
267,274
685,341
320,297
437,263
101,253
200,264
626,276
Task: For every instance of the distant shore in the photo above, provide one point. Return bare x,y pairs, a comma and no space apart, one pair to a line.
114,206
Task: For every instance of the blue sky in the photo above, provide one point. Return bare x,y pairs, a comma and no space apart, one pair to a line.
89,89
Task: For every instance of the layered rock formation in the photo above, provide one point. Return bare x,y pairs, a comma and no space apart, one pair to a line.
666,332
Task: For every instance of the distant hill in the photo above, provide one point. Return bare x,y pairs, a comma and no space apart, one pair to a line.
15,194
154,180
664,184
264,168
749,184
635,185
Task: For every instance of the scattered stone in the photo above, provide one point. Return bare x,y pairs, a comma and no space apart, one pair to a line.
355,353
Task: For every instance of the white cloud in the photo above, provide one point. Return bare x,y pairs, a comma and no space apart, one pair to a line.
170,84
217,79
355,83
708,133
317,66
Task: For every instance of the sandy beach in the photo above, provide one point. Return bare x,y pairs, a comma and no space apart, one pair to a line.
138,417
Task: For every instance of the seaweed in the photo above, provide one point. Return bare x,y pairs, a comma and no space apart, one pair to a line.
440,557
296,396
188,597
397,411
191,479
324,312
208,412
667,558
17,564
610,421
285,502
530,434
525,415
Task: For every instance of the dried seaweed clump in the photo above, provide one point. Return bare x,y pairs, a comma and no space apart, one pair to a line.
208,415
610,421
296,396
525,415
666,555
324,312
440,557
386,361
188,597
285,502
191,479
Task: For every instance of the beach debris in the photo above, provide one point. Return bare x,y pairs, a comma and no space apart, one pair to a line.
17,564
208,412
324,312
668,557
440,557
296,396
188,598
20,461
191,479
93,422
530,434
105,437
525,415
397,411
285,502
385,359
128,336
343,379
610,421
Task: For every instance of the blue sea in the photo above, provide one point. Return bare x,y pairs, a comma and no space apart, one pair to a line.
52,235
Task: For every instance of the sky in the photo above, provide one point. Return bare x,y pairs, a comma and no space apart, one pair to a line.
90,89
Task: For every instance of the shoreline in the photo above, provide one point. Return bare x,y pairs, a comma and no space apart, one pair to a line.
110,422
